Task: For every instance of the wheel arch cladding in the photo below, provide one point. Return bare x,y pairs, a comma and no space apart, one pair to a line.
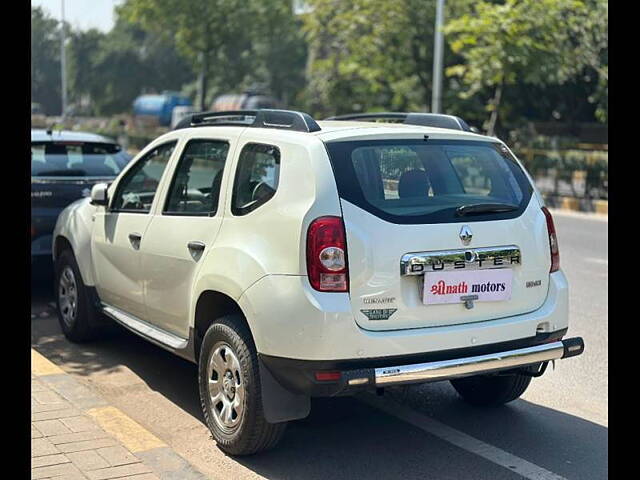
279,404
211,305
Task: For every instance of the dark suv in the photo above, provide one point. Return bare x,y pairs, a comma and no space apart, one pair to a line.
64,167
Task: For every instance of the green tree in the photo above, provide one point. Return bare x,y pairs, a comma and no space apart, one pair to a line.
109,70
207,33
45,61
524,42
231,43
377,55
84,82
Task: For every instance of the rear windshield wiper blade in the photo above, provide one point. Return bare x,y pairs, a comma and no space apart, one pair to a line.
485,208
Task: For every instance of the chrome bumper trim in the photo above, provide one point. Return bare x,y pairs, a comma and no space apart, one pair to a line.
461,367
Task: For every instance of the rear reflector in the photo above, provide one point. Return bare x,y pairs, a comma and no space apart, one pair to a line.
328,376
553,241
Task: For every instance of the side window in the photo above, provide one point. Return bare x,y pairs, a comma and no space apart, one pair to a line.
137,189
195,187
256,179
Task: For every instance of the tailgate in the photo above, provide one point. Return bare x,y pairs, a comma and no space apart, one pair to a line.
387,295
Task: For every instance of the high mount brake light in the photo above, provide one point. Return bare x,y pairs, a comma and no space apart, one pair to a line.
327,255
553,241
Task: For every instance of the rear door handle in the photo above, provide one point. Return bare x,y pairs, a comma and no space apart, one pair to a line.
135,239
196,246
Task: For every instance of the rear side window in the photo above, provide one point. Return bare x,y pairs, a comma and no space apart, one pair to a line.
76,159
256,179
416,181
195,187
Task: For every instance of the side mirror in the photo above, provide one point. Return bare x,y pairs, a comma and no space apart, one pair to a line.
99,194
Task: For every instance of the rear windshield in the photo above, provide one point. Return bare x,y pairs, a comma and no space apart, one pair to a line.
426,181
76,159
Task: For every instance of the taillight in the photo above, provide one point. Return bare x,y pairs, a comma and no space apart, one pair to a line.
327,255
553,241
33,231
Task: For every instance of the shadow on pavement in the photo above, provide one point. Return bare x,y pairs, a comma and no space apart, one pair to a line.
345,438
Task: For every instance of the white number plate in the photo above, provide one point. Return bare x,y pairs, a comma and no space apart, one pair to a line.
447,287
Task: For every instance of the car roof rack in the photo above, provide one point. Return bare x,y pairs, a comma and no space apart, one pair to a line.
438,120
263,118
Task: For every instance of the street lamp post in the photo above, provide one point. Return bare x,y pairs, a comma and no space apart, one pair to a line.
436,95
63,63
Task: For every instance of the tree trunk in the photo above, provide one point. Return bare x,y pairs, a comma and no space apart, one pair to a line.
493,119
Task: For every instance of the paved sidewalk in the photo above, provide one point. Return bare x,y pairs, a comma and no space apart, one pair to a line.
76,435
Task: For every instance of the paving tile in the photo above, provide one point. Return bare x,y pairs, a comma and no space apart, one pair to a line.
36,386
72,476
117,455
87,445
46,397
51,414
48,407
47,460
70,440
88,460
72,390
42,446
78,437
64,470
118,472
49,428
80,424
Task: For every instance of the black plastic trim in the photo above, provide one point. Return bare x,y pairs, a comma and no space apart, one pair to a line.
298,375
263,118
437,120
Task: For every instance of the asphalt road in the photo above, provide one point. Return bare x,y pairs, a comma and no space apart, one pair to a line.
557,429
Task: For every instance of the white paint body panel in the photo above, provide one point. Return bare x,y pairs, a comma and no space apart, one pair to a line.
321,326
259,260
376,247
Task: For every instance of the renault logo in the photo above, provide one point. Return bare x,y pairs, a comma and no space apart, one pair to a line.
466,235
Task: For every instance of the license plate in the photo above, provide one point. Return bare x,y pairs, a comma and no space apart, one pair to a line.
448,287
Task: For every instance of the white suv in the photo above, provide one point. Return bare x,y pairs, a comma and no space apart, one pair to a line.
291,258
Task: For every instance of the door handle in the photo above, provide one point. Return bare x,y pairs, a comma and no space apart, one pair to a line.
196,246
135,239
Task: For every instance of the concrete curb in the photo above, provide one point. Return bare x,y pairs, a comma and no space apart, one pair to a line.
576,204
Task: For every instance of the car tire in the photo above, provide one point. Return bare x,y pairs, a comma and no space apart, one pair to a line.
230,390
76,314
491,390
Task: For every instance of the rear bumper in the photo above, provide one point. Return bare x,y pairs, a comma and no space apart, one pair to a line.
291,320
299,376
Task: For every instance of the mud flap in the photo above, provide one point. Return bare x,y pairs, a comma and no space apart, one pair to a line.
278,403
96,318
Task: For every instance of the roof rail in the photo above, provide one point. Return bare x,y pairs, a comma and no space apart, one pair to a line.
411,118
263,118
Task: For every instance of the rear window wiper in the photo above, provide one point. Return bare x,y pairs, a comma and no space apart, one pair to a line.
485,208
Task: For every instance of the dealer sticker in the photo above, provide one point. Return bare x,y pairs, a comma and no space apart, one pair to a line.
447,287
